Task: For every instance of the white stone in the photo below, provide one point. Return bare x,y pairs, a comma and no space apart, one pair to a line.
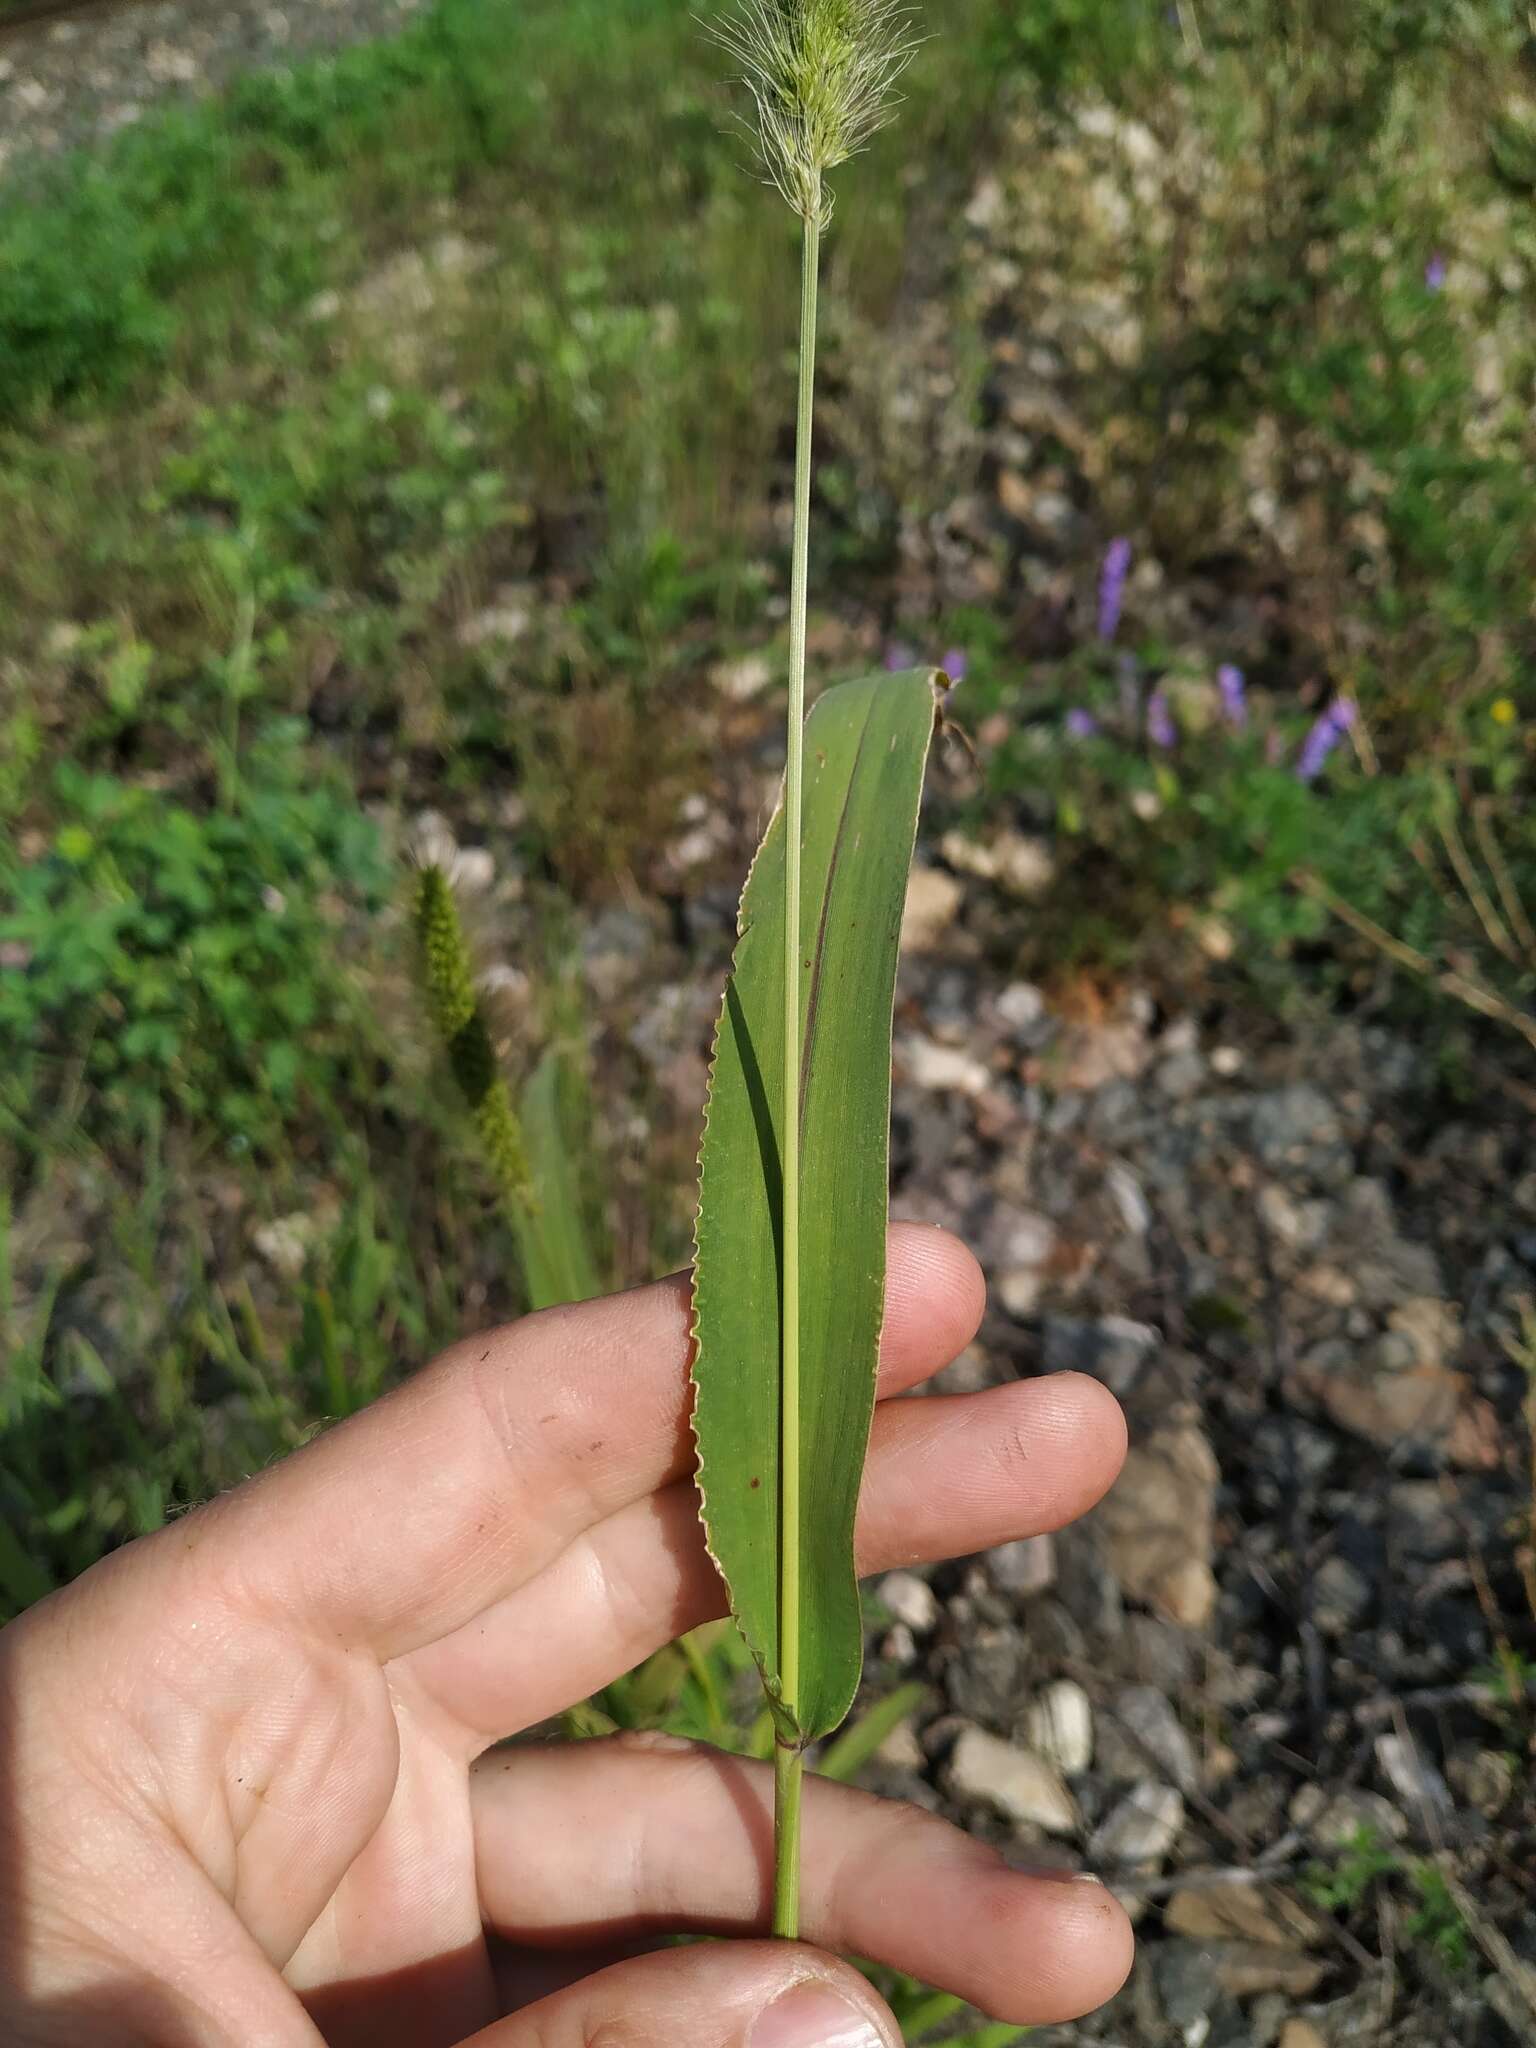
1026,866
1019,1291
1413,1777
1140,1833
742,680
1030,1241
474,870
985,1770
942,1069
1148,1715
1126,1192
1021,1006
1026,1567
909,1599
1059,1727
286,1242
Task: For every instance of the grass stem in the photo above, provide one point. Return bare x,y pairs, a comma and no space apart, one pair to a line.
788,1784
787,1802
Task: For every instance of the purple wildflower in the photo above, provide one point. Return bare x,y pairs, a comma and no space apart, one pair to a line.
1324,737
1161,730
1081,724
899,656
1112,580
1435,273
956,664
1234,694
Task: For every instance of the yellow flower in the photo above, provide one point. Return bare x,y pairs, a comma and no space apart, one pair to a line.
1503,711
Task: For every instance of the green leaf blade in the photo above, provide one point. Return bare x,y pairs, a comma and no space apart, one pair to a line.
866,748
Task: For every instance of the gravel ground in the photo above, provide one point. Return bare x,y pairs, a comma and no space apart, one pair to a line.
78,81
1259,1690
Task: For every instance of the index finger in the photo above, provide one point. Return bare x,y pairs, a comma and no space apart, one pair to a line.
410,1519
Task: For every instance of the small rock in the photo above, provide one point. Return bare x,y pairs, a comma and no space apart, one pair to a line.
503,624
1129,1198
1015,495
1301,1226
1139,1834
1421,1522
1021,1006
1158,1655
911,1600
742,680
287,1241
1266,2016
1159,1524
1090,1056
1241,1912
986,205
1024,1568
1244,1969
1023,1258
1023,865
1182,1077
941,1068
1485,1778
474,870
986,1771
1335,1821
1431,1328
1188,1989
1112,1349
616,946
1087,1586
1019,1291
1301,2034
1291,1122
1394,1409
1418,1785
1341,1596
1059,1727
985,1683
933,902
901,1750
1156,1731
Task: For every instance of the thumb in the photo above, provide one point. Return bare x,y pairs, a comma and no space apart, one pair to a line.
739,1994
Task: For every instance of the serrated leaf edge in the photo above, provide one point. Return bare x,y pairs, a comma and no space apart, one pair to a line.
771,1687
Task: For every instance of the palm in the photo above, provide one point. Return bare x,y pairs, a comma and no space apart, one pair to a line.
320,1668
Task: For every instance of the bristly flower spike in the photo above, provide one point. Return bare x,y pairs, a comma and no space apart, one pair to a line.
448,975
822,74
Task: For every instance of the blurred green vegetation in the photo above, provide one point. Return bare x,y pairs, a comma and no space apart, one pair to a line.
295,386
1319,233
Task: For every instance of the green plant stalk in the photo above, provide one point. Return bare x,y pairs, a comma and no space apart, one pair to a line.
791,1763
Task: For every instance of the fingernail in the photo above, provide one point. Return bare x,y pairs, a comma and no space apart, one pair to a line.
815,2016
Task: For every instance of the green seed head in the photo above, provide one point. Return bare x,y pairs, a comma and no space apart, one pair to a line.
822,74
447,973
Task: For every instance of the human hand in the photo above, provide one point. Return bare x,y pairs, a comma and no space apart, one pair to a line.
246,1799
